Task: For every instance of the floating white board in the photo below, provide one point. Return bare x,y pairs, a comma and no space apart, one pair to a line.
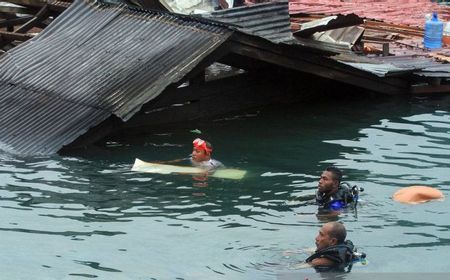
149,167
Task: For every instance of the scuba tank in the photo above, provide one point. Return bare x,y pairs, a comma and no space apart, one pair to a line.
355,190
359,257
345,195
343,255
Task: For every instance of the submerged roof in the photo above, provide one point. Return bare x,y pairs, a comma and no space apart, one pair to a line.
96,60
73,76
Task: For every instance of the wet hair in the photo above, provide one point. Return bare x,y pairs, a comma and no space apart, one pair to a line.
338,231
337,173
209,146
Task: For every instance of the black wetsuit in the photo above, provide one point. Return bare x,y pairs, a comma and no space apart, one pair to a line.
341,255
336,201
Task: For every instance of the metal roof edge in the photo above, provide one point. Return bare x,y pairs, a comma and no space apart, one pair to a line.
191,18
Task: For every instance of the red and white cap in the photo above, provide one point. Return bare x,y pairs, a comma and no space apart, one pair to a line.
201,145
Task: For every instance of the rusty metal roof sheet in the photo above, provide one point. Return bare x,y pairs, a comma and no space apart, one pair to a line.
267,20
406,43
94,60
407,12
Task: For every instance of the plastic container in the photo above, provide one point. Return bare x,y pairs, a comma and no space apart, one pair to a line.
433,33
446,37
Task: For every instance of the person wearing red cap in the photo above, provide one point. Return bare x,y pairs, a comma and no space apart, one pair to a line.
201,155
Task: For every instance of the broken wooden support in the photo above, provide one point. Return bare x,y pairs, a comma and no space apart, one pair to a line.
385,49
12,36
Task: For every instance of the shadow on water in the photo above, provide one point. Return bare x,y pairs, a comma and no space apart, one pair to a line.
92,216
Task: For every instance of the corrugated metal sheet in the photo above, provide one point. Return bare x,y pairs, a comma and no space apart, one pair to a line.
380,70
268,20
328,23
347,36
439,71
410,61
394,65
325,48
93,61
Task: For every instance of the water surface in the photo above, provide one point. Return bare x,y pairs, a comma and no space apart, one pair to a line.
88,216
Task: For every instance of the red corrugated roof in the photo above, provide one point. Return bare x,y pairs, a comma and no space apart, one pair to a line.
405,12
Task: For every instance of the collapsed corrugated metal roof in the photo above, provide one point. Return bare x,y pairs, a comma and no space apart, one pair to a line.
96,60
73,76
267,20
408,12
405,54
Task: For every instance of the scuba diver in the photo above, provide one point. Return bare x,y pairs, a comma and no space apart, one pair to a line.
333,252
334,195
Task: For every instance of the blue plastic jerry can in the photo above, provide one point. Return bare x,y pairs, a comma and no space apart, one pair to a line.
434,29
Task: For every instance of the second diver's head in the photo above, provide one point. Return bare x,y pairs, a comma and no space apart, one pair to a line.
201,150
329,180
331,234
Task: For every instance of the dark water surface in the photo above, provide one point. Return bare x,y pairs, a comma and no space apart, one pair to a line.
88,216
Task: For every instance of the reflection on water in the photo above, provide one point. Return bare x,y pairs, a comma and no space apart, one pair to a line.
89,216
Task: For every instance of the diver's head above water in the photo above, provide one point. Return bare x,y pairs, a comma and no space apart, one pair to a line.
331,234
330,180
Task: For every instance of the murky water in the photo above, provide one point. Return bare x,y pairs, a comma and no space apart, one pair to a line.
88,216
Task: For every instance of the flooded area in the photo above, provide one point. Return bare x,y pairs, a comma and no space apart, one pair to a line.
88,216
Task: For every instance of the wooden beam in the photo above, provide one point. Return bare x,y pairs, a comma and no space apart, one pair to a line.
11,36
430,89
14,21
39,17
292,57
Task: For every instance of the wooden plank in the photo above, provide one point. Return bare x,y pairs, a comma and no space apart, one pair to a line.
12,36
430,89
